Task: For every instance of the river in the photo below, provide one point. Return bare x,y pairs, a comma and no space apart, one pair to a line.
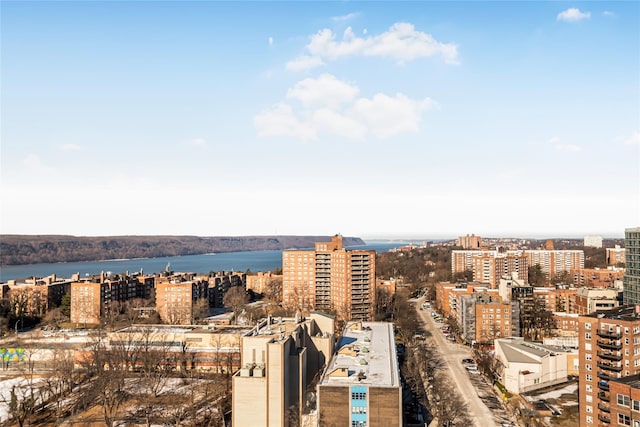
229,261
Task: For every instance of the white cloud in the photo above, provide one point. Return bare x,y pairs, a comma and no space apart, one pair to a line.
608,13
568,148
555,140
344,18
70,147
330,106
280,120
387,116
402,42
270,41
633,139
572,15
304,62
198,142
326,90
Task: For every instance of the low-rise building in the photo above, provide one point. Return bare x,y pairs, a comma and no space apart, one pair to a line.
615,256
361,384
589,276
260,282
526,366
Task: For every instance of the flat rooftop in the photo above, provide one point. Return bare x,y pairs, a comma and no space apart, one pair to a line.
631,380
365,355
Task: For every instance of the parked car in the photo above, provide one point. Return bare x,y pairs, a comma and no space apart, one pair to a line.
466,361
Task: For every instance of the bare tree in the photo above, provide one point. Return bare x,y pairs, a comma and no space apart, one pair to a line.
235,299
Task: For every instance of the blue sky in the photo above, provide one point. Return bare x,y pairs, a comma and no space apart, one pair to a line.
377,119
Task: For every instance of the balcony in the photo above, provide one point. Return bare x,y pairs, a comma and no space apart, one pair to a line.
604,376
610,345
609,334
604,419
603,396
603,407
609,367
609,356
603,385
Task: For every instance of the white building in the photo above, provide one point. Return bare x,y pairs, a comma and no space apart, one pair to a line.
593,241
526,366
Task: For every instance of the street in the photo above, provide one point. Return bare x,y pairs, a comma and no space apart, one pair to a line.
477,393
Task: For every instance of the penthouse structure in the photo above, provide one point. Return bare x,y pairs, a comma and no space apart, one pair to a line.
632,266
280,358
330,279
361,385
589,300
609,345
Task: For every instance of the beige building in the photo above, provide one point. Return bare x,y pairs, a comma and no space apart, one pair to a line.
361,385
176,295
280,358
588,300
490,266
615,255
261,281
469,242
330,279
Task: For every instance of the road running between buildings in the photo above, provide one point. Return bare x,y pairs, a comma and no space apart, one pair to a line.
452,354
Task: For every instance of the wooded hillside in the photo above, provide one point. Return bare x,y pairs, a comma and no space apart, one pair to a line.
22,249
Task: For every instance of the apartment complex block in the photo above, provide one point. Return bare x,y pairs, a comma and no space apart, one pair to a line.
330,279
90,298
361,385
609,344
259,282
489,266
593,241
469,242
615,255
176,295
632,266
589,300
625,407
483,318
556,261
280,358
35,296
597,277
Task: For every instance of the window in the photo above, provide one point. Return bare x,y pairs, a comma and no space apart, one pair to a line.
358,424
358,409
588,388
588,377
623,399
587,336
636,423
589,398
587,326
624,420
358,396
587,356
587,366
587,346
636,405
589,419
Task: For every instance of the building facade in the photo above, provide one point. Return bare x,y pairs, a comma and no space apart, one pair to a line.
625,403
330,279
609,349
280,358
615,255
361,386
632,266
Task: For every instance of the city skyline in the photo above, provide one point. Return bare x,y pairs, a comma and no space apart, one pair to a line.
375,119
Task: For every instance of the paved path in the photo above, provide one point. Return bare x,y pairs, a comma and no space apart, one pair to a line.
452,355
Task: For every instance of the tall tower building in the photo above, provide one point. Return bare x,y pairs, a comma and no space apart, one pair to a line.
330,279
631,278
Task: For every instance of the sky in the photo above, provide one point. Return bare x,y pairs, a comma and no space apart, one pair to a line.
371,119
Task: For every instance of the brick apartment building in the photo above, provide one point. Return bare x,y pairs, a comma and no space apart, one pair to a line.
330,279
176,295
625,402
90,298
609,344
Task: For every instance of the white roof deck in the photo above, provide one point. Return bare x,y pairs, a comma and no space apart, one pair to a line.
364,357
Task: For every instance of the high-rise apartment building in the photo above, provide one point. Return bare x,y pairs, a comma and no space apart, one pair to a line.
469,241
593,241
615,255
490,266
330,279
632,266
609,348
